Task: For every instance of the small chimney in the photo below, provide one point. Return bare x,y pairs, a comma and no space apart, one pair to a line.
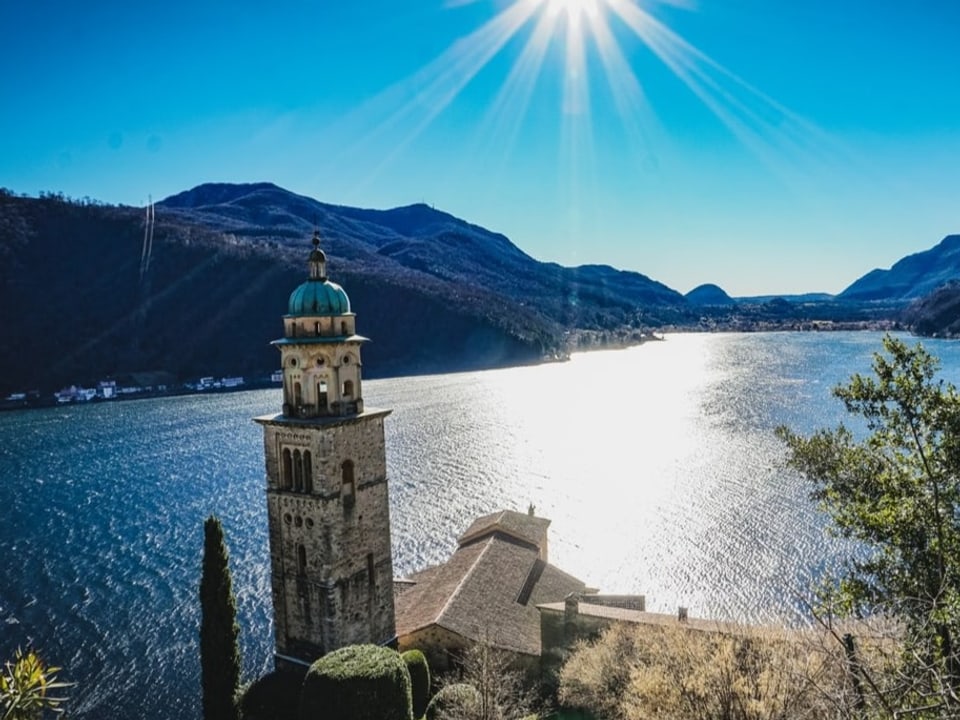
682,614
571,608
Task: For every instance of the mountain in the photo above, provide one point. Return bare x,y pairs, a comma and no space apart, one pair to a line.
708,294
85,295
937,314
433,244
912,277
802,298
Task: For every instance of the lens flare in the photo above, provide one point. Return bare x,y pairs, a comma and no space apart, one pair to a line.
589,34
573,9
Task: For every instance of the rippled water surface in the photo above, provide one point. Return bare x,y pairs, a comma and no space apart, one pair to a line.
657,465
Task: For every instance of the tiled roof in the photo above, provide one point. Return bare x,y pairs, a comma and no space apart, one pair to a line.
644,618
519,525
475,593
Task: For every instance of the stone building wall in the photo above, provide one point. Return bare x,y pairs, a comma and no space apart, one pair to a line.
331,566
444,648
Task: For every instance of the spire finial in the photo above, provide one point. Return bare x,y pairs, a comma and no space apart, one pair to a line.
318,260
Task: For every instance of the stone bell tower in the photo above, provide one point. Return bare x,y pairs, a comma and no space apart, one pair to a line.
327,502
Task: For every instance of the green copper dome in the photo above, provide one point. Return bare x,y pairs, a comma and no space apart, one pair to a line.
318,297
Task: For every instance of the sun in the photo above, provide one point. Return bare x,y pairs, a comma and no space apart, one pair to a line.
573,9
599,73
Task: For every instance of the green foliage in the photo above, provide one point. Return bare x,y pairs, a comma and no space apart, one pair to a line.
275,696
219,652
458,700
26,685
358,682
897,491
419,671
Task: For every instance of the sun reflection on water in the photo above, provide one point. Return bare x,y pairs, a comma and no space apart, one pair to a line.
657,465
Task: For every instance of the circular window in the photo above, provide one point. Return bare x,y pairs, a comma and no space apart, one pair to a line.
293,362
320,361
346,360
309,522
287,518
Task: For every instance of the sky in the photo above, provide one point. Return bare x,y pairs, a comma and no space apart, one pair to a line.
767,147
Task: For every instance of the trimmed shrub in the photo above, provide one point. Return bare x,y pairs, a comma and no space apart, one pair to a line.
419,680
275,696
454,701
358,682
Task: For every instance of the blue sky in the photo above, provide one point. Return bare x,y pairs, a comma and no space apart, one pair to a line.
767,147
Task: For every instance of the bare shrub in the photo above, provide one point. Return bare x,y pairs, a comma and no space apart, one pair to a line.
642,671
502,691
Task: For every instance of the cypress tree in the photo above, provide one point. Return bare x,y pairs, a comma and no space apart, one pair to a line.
219,652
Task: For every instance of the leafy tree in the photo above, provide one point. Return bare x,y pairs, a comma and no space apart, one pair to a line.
219,652
896,490
26,685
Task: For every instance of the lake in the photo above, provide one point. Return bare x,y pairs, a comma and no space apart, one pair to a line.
657,465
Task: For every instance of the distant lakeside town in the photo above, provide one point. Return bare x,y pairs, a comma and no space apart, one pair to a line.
141,385
160,384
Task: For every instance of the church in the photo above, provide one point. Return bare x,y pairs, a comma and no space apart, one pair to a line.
328,509
329,517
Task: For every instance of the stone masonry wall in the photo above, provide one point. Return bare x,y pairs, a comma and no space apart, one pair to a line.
331,564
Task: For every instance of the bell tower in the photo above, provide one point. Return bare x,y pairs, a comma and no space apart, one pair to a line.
327,501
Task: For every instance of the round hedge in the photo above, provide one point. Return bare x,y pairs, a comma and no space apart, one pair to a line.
271,697
454,701
358,682
419,680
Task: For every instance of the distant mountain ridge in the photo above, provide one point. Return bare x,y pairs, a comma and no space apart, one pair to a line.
81,289
435,293
419,239
912,277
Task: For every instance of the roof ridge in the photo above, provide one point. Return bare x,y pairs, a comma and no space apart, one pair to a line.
463,580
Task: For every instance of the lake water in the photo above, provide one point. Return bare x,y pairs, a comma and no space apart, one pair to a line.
657,465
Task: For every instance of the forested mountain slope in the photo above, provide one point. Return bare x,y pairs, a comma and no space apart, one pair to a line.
84,296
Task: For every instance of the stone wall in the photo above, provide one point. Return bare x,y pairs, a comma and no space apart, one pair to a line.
443,650
331,565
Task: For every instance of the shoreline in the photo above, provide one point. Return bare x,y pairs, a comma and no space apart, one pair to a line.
584,341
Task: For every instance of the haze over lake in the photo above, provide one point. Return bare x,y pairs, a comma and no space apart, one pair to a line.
657,465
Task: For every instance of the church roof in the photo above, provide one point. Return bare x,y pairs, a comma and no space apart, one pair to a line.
318,297
521,526
488,591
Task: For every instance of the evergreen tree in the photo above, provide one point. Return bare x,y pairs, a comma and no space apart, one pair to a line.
219,652
896,490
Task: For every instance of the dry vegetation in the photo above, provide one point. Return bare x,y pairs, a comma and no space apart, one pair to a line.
634,672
